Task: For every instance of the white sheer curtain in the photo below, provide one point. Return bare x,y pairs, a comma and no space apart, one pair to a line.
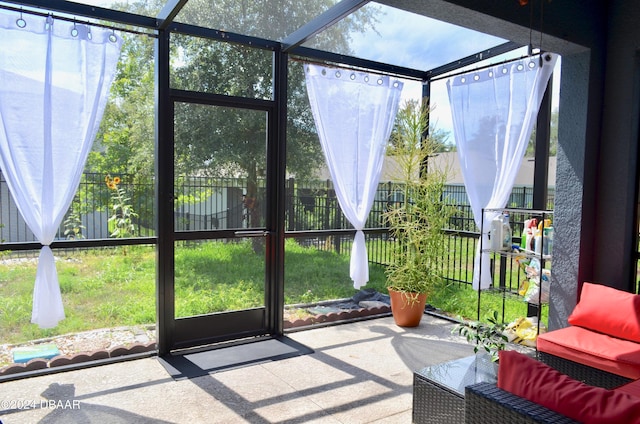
354,114
493,112
54,81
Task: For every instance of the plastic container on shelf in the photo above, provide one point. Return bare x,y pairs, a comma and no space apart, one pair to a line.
544,241
500,233
496,233
532,255
528,234
507,236
547,241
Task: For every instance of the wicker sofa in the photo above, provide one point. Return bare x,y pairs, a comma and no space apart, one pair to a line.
586,372
529,391
486,403
601,345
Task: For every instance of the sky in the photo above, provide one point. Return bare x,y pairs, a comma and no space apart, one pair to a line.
417,42
440,44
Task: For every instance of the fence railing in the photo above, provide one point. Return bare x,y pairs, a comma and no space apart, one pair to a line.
206,203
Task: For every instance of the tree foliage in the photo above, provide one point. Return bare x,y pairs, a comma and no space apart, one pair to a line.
125,140
418,219
216,141
553,138
224,141
404,132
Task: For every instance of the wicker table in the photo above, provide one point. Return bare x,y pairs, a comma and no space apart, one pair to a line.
438,391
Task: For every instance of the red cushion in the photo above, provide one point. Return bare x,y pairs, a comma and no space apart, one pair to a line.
596,350
541,384
609,311
632,388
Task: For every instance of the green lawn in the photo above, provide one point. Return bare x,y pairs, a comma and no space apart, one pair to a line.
116,287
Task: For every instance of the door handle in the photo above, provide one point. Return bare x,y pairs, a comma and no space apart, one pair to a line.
250,233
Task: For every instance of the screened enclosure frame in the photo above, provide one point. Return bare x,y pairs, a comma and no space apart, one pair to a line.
161,27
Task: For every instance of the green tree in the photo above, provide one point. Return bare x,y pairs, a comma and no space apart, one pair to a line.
438,138
217,141
125,144
125,140
232,142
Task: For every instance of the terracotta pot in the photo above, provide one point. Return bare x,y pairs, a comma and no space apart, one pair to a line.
407,308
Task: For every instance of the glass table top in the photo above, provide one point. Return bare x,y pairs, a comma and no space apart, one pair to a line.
460,373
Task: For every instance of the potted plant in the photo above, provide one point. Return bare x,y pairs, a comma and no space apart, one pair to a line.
488,337
417,220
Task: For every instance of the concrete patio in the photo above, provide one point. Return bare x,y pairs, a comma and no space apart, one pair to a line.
360,372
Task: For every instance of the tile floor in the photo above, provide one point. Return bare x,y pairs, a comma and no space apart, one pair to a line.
360,372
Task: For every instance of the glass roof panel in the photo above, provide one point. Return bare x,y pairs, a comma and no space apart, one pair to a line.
389,35
85,11
139,7
269,19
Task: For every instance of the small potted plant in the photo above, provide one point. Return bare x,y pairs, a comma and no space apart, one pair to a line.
417,221
488,337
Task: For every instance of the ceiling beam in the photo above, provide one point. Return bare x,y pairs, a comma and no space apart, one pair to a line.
321,22
226,36
338,59
169,11
472,59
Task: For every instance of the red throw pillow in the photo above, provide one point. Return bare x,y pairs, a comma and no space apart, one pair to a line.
609,311
525,377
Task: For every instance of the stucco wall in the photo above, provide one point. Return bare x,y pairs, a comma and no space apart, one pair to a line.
618,150
572,235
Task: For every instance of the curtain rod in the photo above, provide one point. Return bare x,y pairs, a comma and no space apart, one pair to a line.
351,68
490,65
75,20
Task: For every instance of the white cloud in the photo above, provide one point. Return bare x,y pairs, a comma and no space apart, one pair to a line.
417,42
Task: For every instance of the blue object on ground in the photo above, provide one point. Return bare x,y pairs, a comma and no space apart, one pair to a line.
26,353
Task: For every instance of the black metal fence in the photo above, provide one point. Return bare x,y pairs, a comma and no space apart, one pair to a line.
313,215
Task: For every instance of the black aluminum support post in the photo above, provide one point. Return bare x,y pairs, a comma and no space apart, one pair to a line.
426,103
165,307
426,93
543,136
276,157
541,165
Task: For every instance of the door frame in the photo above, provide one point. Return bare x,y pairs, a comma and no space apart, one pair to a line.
174,334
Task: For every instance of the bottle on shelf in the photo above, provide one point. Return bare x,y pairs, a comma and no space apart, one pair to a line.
548,244
495,233
507,235
528,234
544,238
523,236
500,233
